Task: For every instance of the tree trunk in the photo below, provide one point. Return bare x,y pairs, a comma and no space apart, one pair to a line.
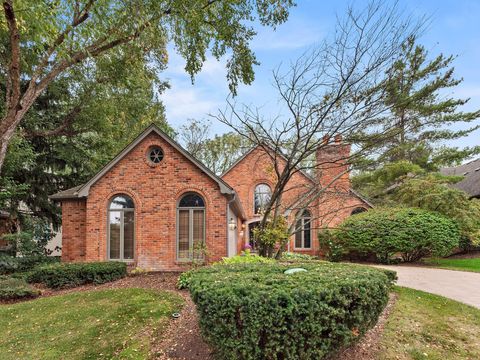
7,130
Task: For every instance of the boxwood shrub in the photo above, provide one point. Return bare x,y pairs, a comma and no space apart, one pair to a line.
406,232
64,275
256,311
11,289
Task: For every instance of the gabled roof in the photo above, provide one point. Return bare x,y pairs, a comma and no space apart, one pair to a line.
82,191
239,160
471,181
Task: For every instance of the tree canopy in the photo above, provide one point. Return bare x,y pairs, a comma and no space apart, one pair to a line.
421,112
41,40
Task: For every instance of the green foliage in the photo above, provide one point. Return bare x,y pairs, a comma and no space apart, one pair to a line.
330,245
411,233
435,194
288,256
421,116
11,289
255,311
375,184
65,275
10,264
274,234
245,258
217,153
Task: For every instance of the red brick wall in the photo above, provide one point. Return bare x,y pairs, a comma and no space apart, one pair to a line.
257,168
73,230
155,191
328,211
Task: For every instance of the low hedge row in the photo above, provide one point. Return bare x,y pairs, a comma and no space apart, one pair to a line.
256,311
11,289
64,275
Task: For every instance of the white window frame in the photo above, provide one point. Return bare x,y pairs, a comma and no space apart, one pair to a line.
122,212
262,193
190,209
302,230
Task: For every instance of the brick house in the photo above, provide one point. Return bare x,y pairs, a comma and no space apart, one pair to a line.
155,205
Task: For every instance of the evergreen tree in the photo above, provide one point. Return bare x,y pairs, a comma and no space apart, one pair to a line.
422,116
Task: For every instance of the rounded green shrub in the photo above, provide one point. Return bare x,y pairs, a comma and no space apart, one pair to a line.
406,232
12,289
63,275
256,311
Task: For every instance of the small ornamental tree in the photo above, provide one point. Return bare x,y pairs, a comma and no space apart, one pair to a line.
436,194
407,233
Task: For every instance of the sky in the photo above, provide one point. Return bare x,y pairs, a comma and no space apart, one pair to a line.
454,29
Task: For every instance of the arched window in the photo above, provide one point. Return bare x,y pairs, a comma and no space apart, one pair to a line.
303,234
190,227
121,228
262,196
358,210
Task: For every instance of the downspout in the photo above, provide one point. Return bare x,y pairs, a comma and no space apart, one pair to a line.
228,220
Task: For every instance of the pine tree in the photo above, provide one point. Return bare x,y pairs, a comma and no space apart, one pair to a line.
423,116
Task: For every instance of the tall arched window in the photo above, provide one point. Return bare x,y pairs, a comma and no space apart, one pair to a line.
121,228
303,234
262,196
190,226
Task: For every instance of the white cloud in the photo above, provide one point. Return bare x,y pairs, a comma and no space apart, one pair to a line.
185,102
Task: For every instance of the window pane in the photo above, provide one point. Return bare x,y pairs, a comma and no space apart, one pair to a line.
114,234
128,234
261,197
307,233
183,234
298,234
198,233
121,202
191,200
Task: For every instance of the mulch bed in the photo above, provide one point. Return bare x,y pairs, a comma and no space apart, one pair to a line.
182,339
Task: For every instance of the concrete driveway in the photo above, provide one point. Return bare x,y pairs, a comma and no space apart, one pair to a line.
457,285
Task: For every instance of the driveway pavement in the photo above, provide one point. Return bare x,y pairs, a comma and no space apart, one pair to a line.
457,285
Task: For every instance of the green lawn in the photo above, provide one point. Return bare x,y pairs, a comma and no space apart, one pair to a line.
85,325
426,326
456,264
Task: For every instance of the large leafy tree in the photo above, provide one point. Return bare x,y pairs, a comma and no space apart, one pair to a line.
423,117
42,40
78,123
219,152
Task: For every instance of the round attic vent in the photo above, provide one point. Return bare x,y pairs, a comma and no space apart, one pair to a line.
155,154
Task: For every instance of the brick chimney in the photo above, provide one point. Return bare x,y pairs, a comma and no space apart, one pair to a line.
332,158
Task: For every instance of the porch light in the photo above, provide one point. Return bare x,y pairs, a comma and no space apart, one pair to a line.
231,224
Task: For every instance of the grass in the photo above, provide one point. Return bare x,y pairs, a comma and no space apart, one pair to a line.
425,326
85,325
456,264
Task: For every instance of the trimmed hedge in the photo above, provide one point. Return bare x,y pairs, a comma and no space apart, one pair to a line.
11,289
63,275
256,311
388,233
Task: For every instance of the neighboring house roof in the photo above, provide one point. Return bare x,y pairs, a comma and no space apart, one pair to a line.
471,173
81,191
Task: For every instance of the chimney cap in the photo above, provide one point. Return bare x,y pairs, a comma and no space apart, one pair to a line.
338,138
